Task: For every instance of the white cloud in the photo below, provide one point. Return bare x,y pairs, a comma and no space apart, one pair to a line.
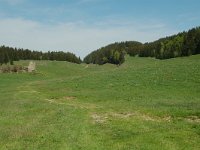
76,37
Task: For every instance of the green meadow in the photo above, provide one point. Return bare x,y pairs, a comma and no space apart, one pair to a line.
145,103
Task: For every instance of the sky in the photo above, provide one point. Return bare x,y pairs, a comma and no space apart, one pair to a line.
81,26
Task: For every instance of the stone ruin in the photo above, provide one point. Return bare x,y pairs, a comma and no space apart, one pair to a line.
18,68
31,67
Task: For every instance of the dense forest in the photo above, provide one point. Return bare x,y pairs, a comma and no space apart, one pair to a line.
181,44
8,55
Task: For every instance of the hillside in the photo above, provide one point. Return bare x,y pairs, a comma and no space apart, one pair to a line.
178,45
145,103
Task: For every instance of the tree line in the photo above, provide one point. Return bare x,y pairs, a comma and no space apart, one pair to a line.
113,53
9,54
181,44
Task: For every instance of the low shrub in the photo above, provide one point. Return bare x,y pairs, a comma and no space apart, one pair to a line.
12,69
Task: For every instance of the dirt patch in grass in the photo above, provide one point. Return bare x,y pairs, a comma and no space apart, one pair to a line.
69,98
103,118
193,119
53,101
30,91
99,119
147,117
122,115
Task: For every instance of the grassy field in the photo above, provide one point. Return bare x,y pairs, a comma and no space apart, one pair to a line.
143,104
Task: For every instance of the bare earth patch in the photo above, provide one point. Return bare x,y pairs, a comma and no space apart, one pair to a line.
103,118
69,98
97,118
53,101
122,115
193,119
155,118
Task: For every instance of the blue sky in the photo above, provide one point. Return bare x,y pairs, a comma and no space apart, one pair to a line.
81,26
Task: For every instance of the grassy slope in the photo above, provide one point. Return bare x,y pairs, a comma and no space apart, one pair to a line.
143,104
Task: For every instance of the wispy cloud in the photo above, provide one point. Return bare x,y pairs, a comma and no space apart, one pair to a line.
77,37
